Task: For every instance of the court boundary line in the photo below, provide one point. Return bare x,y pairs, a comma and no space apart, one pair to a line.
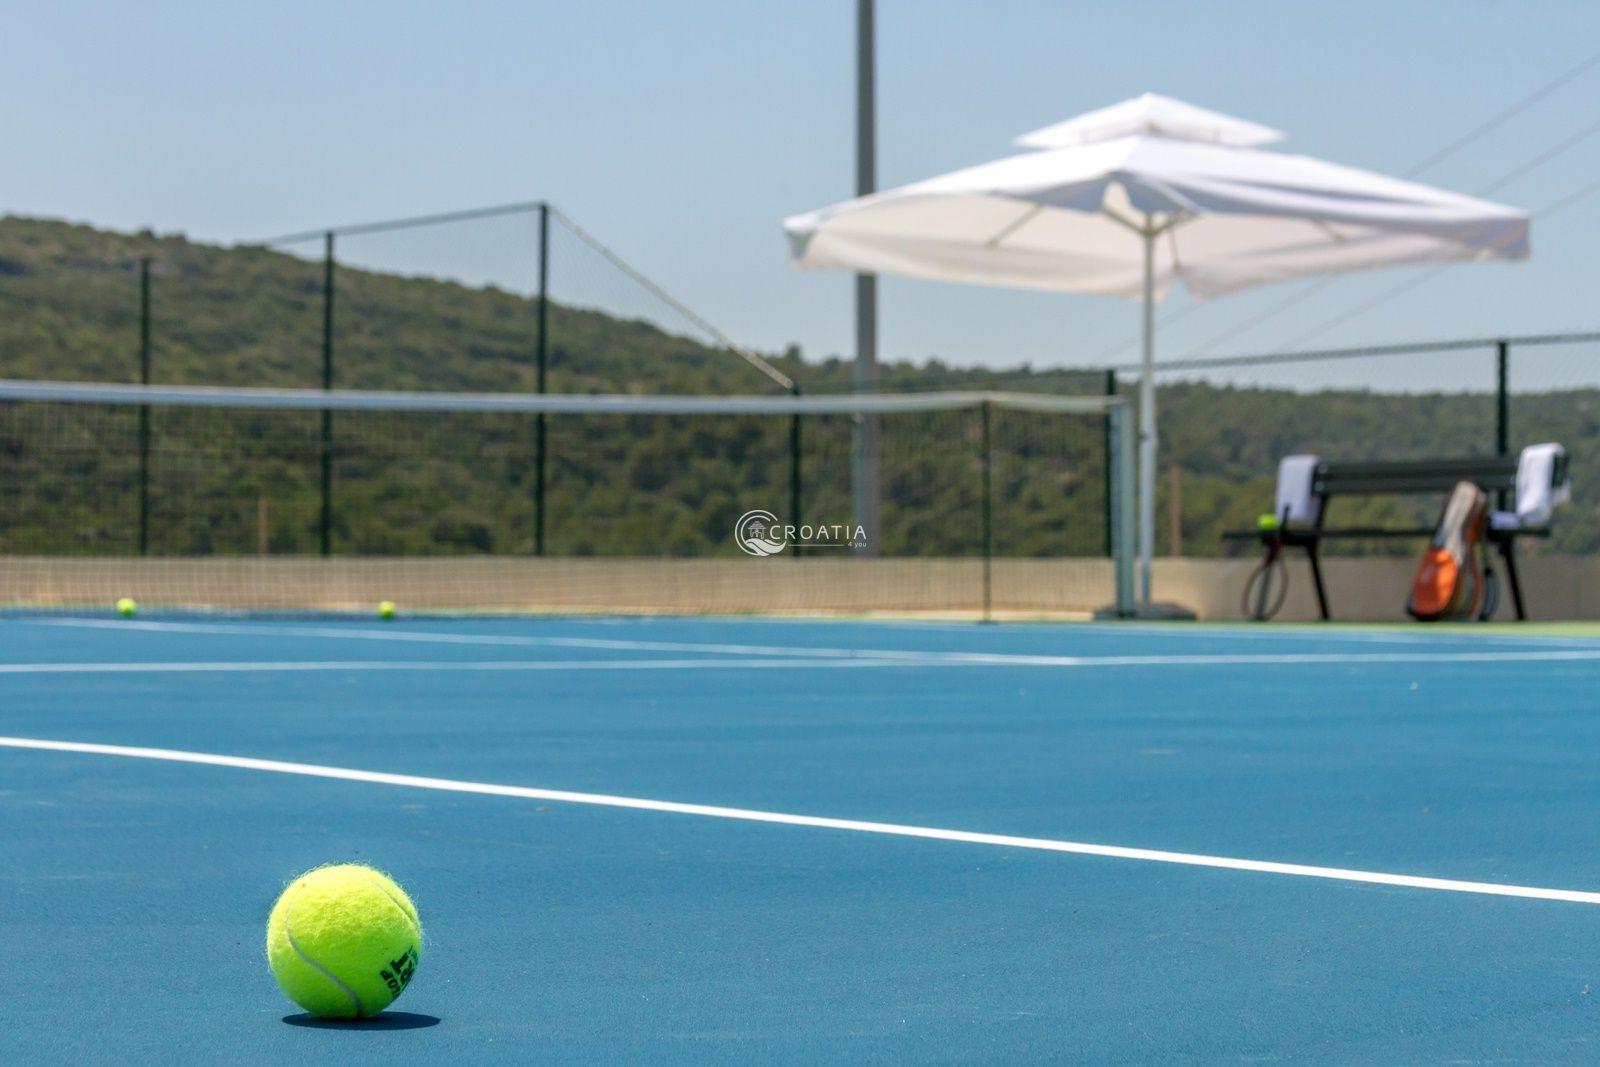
1189,632
735,663
604,800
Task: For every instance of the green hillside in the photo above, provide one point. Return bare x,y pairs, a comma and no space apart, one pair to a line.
242,483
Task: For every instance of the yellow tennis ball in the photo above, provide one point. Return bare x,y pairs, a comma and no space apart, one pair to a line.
127,607
343,941
386,609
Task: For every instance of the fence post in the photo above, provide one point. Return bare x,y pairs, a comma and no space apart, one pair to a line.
1502,408
144,409
794,467
988,514
1502,411
327,384
541,351
1174,511
1110,509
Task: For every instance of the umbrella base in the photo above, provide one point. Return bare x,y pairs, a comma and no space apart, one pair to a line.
1155,610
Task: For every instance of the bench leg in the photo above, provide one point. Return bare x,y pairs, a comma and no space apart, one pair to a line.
1316,580
1508,554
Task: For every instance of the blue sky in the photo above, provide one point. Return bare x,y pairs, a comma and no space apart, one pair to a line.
681,131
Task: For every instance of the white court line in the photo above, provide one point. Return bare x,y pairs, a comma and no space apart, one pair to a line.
880,655
1257,658
291,666
431,637
967,659
1378,633
1203,631
1038,844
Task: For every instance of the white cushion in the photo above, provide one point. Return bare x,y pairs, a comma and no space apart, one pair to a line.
1295,475
1538,490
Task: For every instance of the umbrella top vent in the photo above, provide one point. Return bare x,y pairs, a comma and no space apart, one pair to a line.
1154,115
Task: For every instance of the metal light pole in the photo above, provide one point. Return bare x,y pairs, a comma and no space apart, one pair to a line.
864,451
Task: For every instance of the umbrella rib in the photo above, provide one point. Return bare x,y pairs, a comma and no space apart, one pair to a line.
1150,227
1327,228
1173,221
1119,219
1011,228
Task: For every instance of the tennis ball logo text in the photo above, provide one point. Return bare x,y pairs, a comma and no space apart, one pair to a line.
759,533
399,971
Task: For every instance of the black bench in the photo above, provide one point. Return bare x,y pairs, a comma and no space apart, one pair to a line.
1493,474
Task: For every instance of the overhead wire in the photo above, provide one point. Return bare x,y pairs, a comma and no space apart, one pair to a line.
1476,133
1411,283
1448,150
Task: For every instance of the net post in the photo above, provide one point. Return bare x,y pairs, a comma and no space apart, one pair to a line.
794,467
541,351
144,409
1502,407
326,523
1110,519
1120,492
988,511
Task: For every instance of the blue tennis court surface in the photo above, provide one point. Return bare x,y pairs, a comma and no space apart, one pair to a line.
797,841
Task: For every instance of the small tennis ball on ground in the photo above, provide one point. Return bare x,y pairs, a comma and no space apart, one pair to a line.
386,609
343,941
1268,521
127,607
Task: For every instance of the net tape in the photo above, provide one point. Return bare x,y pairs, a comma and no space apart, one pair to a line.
597,404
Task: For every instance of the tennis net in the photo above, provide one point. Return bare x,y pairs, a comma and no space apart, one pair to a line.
312,501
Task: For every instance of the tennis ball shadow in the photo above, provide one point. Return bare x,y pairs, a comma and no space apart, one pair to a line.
386,1020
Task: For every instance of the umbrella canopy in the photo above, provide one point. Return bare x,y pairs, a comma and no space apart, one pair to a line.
1127,200
1152,113
1068,219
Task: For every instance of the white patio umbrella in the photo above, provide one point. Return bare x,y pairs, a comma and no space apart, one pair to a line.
1125,200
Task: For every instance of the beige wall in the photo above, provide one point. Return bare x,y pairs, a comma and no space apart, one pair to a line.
1556,587
780,585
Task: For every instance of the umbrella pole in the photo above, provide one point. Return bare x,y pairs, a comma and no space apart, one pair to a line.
1147,421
